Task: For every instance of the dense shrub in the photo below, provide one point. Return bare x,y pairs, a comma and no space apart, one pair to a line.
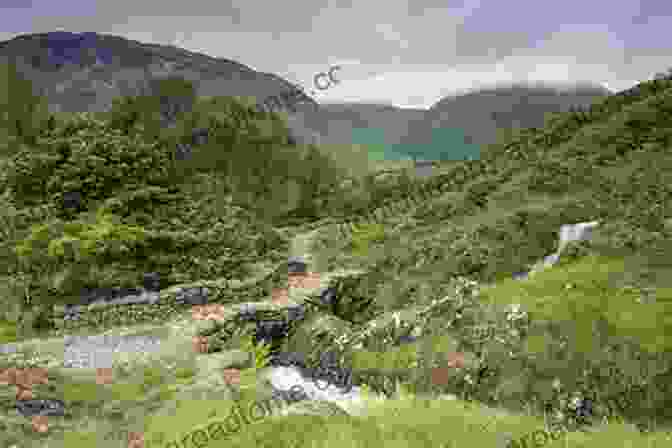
22,111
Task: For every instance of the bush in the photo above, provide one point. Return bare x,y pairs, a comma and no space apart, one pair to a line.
63,257
363,236
22,112
87,157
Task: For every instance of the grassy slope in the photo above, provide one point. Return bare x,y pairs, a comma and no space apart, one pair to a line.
503,216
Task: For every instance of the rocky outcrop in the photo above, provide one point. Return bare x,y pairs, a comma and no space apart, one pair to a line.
569,233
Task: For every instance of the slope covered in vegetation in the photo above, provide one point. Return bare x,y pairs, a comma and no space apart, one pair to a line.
96,199
490,218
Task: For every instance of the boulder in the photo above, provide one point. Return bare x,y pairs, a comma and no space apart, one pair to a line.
575,232
568,233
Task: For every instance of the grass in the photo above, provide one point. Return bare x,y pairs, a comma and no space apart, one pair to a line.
591,289
581,325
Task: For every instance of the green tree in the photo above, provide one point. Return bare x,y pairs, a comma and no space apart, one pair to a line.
22,111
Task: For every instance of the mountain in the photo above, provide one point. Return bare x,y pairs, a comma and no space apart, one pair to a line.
482,114
456,127
84,72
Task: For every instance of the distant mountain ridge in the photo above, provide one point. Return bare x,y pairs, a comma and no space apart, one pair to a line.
84,72
456,127
482,113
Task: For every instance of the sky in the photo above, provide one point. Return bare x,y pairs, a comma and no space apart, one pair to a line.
409,53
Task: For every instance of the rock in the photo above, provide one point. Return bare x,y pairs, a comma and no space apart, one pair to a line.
199,136
182,151
575,232
151,282
247,312
520,275
192,296
328,296
287,359
406,339
72,200
568,233
296,312
41,407
297,265
271,331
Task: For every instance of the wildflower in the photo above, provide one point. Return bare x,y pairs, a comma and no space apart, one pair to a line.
39,423
136,440
104,376
231,376
397,319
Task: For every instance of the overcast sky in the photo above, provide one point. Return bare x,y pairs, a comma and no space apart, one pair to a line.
404,52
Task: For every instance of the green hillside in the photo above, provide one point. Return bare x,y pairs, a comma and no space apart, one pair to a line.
97,200
489,218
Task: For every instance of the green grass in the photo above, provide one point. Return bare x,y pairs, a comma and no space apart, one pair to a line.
580,293
8,332
498,215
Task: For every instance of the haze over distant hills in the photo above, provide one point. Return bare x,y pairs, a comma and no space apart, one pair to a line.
84,72
457,127
481,113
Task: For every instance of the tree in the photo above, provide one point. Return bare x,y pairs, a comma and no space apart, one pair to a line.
22,112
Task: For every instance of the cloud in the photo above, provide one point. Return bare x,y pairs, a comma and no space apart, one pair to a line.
404,52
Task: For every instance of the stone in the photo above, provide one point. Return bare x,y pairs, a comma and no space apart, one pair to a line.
193,296
296,265
182,151
199,136
247,313
271,331
152,282
296,312
287,359
522,275
576,232
568,233
41,407
72,200
328,296
406,339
